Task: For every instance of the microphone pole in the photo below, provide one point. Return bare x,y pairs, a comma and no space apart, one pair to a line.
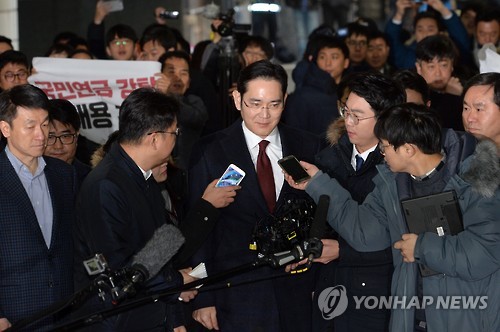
152,298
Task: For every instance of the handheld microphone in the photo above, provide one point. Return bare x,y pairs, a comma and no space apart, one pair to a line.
314,246
148,262
319,222
285,257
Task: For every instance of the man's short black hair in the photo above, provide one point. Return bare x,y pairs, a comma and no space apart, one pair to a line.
264,69
489,14
120,31
380,91
474,6
59,48
330,42
257,41
410,123
379,34
409,79
486,79
145,110
6,40
64,37
15,57
24,95
174,54
160,34
65,112
435,47
433,16
355,28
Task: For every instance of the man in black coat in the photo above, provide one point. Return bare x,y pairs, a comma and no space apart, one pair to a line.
120,205
352,160
260,303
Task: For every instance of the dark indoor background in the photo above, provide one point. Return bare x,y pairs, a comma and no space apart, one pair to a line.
41,20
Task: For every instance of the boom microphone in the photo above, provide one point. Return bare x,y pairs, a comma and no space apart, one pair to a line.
148,262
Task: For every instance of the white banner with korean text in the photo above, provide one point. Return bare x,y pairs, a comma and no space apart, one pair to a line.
96,87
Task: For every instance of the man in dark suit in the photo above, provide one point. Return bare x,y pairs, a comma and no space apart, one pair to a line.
120,206
269,300
37,214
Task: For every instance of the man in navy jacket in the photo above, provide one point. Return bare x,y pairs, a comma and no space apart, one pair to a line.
37,199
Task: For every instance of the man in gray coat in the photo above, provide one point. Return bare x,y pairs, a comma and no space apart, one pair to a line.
420,165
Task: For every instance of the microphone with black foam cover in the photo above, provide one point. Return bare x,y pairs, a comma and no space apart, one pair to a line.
313,246
148,262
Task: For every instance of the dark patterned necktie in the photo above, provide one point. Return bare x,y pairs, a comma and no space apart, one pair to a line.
265,175
359,162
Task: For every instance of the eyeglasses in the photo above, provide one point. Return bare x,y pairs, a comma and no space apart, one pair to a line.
10,76
121,42
382,147
346,113
355,43
65,139
177,132
273,106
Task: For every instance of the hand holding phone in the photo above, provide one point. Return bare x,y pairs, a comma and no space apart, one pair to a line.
231,177
292,167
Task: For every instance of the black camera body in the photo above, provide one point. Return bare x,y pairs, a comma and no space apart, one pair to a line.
225,29
290,225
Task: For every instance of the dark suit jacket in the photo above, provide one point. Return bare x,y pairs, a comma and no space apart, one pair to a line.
117,213
33,276
282,303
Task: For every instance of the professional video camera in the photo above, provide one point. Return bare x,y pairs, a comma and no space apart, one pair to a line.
228,27
289,225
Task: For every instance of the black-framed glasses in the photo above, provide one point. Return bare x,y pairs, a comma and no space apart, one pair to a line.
357,43
10,76
177,132
382,147
346,113
65,139
256,105
121,42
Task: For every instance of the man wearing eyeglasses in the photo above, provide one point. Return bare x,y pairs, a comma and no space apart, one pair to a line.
254,144
121,43
14,69
357,42
421,161
352,160
64,129
120,206
37,196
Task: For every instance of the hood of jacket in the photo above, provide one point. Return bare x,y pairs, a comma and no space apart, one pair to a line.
335,130
483,171
319,80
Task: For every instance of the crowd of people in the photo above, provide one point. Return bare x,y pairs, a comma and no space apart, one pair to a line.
377,117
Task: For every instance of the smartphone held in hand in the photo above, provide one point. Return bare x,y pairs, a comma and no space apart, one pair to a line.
292,167
231,177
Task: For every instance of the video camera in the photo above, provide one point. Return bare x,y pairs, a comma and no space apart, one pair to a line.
288,226
228,28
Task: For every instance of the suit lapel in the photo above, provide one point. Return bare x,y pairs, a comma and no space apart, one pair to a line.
18,195
289,143
53,183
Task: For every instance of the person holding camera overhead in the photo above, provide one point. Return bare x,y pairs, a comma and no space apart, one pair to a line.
425,24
